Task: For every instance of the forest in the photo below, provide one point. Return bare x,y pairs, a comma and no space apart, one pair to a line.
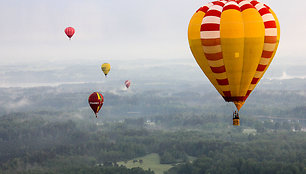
190,130
36,143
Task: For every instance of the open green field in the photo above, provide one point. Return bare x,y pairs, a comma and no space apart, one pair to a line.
151,161
249,131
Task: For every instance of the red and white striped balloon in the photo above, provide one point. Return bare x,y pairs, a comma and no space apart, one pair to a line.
127,83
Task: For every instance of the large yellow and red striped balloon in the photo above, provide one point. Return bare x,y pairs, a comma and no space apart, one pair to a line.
234,43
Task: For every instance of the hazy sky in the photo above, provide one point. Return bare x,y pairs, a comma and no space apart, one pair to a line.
33,30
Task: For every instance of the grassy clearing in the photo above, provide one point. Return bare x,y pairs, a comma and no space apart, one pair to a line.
249,131
191,158
151,161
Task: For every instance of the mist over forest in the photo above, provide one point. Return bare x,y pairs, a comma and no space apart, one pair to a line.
171,113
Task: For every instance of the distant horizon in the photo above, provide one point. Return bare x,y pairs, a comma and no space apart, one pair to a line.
56,73
279,60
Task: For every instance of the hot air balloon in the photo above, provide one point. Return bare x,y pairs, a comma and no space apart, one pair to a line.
234,42
105,68
69,32
95,101
127,83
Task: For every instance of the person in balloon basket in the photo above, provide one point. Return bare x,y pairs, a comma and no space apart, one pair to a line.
235,115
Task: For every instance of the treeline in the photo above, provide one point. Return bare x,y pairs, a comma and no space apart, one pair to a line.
85,170
236,165
44,144
216,122
264,154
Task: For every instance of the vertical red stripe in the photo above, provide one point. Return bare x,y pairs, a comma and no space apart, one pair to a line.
254,80
220,69
232,6
215,56
263,11
248,93
270,39
261,67
211,42
203,9
267,54
222,82
246,6
270,24
213,13
210,27
227,93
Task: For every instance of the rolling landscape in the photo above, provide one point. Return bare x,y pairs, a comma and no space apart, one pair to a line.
169,122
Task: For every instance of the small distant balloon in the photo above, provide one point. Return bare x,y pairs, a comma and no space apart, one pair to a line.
95,101
69,32
127,83
105,68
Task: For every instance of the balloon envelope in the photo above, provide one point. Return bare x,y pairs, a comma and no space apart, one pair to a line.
95,101
234,42
69,32
105,68
127,83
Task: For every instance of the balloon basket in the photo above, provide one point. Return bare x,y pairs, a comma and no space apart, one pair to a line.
236,122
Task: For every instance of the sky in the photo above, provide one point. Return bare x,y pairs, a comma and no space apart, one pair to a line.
33,30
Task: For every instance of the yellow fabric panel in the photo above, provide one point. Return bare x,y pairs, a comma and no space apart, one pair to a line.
197,49
224,88
98,96
231,24
232,43
99,99
254,33
195,26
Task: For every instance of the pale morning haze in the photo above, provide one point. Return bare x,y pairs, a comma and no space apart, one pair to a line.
33,30
125,94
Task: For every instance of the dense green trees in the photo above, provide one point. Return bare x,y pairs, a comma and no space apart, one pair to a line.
38,143
238,165
85,170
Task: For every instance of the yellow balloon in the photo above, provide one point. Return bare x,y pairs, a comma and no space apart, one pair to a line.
234,43
105,68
